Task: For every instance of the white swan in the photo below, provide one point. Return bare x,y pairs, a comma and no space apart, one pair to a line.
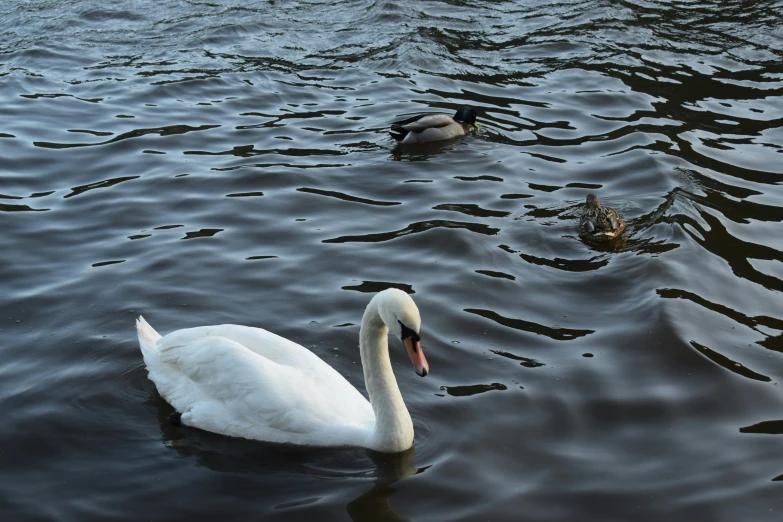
248,382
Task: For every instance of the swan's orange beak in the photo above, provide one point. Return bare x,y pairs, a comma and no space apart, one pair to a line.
416,354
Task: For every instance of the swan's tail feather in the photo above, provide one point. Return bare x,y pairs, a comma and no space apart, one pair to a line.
148,337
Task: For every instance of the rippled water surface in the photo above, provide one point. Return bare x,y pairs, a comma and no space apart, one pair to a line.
227,162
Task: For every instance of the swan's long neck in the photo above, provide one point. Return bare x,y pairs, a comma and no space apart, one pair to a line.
393,425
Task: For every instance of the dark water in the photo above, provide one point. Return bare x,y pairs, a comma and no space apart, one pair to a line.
211,162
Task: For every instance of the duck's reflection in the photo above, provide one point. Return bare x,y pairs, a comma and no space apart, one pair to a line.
421,151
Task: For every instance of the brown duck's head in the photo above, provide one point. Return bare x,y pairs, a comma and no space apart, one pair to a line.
593,201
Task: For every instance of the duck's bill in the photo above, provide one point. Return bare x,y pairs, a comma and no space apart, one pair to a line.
612,234
477,126
416,354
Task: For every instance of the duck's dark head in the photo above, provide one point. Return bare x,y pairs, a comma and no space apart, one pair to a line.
593,202
466,115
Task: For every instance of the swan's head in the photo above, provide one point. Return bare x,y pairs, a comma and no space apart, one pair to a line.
400,315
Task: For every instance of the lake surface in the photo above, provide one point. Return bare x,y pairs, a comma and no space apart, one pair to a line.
228,162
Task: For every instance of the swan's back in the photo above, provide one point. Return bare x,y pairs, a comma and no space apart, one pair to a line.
264,343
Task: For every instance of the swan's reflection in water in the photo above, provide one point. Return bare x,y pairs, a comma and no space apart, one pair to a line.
374,504
240,456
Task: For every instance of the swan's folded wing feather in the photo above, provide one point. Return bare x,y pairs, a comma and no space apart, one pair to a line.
221,368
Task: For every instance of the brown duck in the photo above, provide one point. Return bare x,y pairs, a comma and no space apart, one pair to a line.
600,223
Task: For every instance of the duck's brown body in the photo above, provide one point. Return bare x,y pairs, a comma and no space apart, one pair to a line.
600,223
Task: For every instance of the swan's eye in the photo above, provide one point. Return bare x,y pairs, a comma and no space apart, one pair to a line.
407,332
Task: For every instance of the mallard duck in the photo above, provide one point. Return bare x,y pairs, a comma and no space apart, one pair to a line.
247,382
434,127
599,222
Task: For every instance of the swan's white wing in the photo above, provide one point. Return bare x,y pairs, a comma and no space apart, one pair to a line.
220,385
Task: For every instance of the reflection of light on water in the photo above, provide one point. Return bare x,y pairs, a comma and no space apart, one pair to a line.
690,229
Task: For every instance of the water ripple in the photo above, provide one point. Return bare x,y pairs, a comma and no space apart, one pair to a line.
415,228
259,131
558,333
